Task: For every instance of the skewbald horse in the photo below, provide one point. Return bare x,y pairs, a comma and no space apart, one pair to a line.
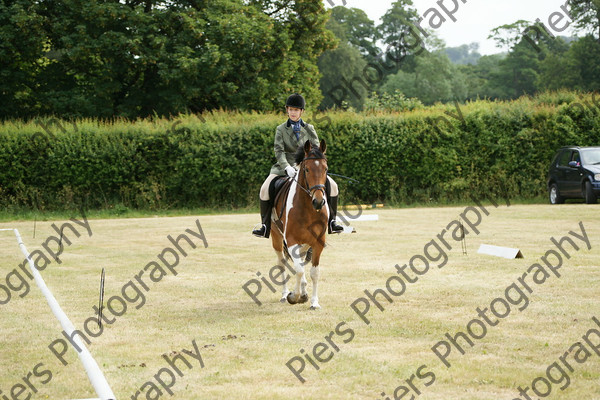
301,214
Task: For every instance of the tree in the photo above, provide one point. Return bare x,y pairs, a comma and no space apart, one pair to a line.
518,72
310,38
354,26
528,46
22,47
559,69
343,80
435,79
509,35
478,78
402,40
135,58
343,69
586,14
585,56
126,59
465,54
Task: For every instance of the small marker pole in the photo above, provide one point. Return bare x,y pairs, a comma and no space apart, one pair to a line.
101,301
463,239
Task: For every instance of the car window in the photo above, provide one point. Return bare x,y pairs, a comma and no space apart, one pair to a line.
564,158
576,157
591,156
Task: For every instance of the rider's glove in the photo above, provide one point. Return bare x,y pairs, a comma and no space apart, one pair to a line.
290,171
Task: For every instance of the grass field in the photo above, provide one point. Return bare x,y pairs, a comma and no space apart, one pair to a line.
245,347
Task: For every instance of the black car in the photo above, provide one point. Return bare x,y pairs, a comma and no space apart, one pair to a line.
575,174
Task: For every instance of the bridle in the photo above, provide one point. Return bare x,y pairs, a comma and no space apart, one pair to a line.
310,190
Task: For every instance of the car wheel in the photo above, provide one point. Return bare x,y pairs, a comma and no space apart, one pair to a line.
555,197
590,196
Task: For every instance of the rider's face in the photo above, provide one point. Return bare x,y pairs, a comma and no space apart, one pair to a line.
294,113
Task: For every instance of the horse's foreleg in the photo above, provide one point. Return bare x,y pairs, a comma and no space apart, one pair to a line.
314,277
299,294
281,262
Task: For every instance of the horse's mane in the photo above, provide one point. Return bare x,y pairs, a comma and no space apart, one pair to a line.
314,152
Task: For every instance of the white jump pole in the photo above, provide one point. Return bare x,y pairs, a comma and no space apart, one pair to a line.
92,369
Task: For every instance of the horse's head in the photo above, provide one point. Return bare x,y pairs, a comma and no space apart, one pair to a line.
314,169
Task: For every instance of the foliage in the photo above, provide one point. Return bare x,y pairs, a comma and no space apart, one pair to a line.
22,46
391,102
518,72
465,54
586,14
140,58
219,159
585,54
343,66
355,27
435,78
509,35
535,60
134,58
399,35
345,78
558,70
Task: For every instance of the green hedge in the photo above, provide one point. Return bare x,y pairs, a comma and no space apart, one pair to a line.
220,159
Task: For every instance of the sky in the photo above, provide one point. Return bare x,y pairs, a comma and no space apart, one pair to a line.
474,18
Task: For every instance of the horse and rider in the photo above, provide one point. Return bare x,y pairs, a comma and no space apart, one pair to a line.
288,137
305,207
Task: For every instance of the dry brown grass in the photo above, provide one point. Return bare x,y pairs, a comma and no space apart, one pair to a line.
245,347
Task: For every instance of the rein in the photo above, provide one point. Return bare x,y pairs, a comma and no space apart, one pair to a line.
315,187
352,180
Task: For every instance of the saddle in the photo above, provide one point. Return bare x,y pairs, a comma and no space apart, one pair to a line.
276,185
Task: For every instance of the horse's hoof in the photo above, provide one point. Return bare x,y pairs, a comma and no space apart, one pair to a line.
317,307
303,298
289,298
283,299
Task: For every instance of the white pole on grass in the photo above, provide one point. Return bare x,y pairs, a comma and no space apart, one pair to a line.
92,369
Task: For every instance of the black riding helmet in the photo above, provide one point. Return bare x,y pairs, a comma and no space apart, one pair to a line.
296,100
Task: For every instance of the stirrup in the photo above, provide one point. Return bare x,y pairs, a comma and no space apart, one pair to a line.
335,228
260,232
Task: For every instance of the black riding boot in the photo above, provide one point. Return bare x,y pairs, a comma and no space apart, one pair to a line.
265,216
332,226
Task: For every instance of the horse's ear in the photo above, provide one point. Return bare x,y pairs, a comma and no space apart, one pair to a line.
307,147
323,146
